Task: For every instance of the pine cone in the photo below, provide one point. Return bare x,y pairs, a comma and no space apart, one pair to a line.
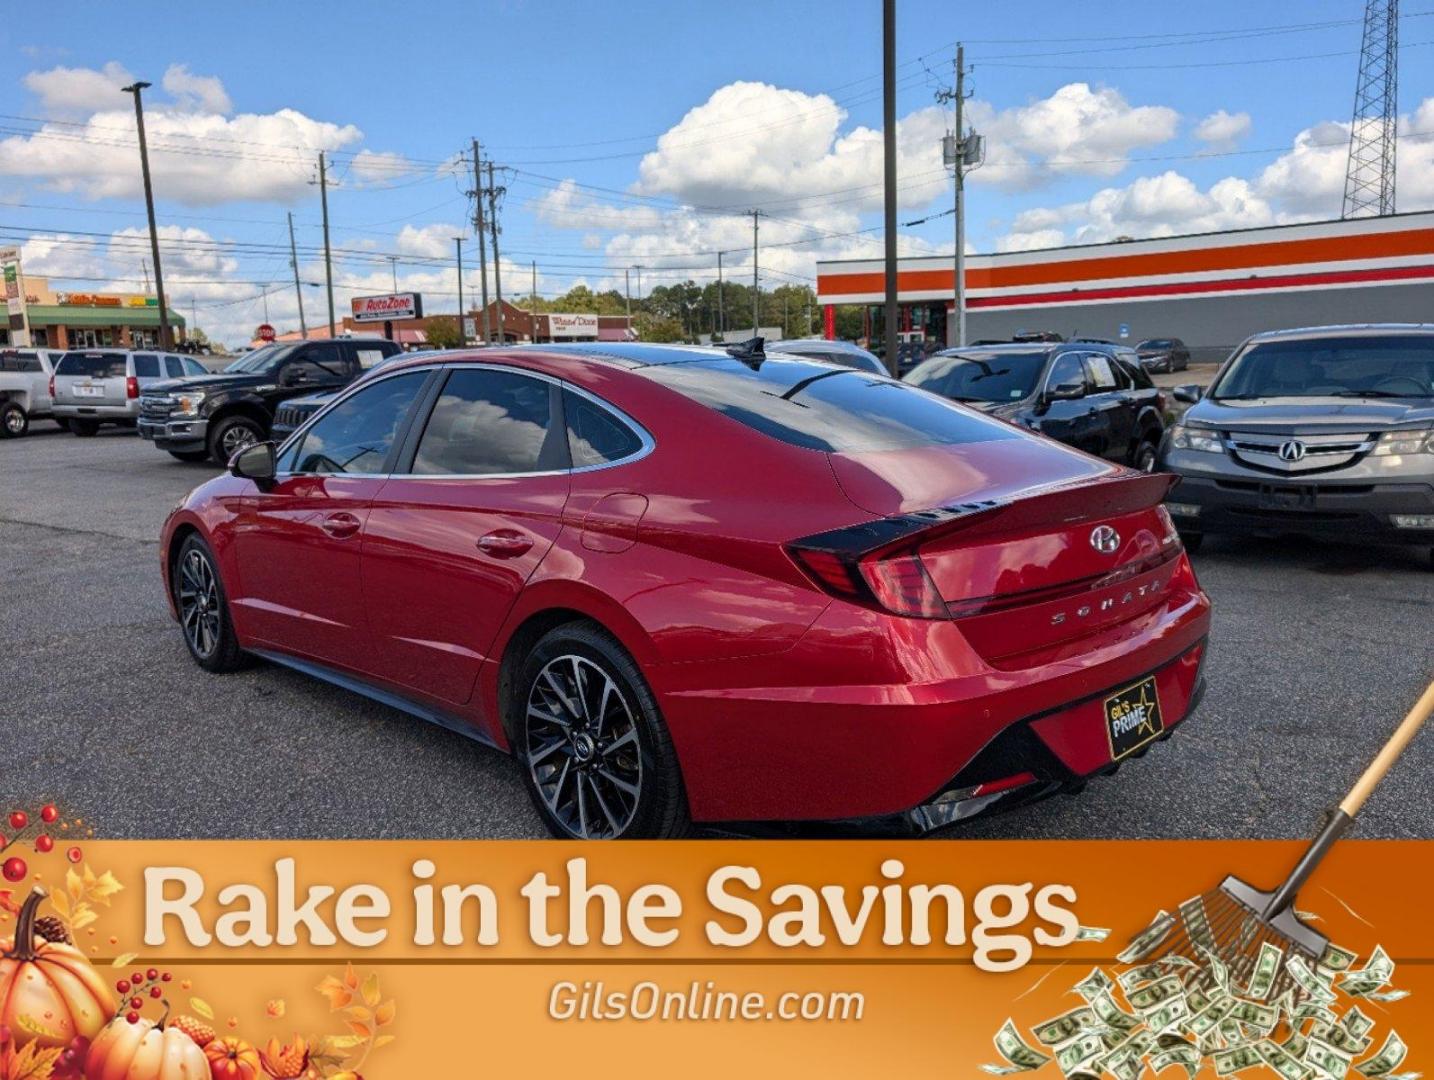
52,929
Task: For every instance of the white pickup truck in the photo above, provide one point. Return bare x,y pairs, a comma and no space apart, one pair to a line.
25,388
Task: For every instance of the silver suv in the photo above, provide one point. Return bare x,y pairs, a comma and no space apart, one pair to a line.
102,386
25,388
1327,430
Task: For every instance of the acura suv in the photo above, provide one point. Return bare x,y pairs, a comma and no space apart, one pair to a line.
1326,431
680,584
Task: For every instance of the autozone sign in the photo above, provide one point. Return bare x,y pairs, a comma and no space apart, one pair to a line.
572,326
406,305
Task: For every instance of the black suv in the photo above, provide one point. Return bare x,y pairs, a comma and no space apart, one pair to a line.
211,416
1091,396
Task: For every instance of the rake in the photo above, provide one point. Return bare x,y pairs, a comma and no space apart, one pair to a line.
1233,922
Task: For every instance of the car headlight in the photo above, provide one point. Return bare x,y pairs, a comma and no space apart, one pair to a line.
1415,441
1188,438
187,404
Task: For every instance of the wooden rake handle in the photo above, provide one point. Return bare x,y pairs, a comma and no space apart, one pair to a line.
1387,756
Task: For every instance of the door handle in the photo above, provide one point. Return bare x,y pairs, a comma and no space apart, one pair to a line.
504,544
340,526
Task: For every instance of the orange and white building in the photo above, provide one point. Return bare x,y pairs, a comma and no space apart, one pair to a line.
1210,289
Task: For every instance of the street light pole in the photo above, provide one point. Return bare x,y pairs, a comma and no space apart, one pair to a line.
298,292
328,256
137,88
888,124
721,320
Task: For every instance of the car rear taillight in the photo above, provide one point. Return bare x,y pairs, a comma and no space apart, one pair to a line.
895,582
131,387
832,572
52,386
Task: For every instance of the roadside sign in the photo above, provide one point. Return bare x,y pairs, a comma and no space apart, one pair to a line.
265,332
1125,330
388,307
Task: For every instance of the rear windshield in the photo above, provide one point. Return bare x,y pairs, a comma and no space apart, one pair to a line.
1396,366
819,407
95,365
1156,343
981,376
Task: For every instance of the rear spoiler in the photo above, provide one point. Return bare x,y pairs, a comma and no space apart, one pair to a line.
1062,504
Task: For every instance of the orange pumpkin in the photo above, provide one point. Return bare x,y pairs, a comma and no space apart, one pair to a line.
232,1058
49,994
144,1051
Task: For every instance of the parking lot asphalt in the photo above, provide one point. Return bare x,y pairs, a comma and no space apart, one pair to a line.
1317,651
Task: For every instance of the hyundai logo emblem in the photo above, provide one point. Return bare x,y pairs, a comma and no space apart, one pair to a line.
1292,451
1104,539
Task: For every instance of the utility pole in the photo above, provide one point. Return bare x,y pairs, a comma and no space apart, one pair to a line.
756,289
482,241
298,291
1369,173
497,268
328,256
137,89
721,319
533,305
194,317
144,266
462,324
888,123
393,267
639,284
627,291
961,151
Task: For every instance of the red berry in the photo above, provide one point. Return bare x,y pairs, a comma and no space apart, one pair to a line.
137,978
14,869
155,991
136,1003
122,986
152,974
74,854
132,1017
49,813
19,819
43,844
166,977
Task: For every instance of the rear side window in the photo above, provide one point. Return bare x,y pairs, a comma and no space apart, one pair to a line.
27,362
94,365
1100,371
146,365
356,436
819,407
596,436
490,422
369,357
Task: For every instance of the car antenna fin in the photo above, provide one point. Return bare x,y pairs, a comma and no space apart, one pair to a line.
749,351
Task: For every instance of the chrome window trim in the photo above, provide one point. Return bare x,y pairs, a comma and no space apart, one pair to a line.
648,443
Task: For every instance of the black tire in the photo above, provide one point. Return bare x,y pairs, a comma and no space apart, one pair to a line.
64,424
204,610
85,428
190,455
609,776
231,434
13,420
1144,456
1192,540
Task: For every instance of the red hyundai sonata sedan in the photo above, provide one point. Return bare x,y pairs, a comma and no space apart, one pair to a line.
682,585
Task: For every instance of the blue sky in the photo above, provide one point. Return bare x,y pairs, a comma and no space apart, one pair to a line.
1098,117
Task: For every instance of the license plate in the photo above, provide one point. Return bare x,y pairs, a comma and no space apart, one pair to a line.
89,391
1132,717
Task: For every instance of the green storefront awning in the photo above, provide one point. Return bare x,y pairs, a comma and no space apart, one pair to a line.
76,315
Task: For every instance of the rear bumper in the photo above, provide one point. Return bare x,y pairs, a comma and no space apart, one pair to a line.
839,752
122,413
175,434
1363,512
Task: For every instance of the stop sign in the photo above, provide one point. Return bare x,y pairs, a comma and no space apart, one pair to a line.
265,332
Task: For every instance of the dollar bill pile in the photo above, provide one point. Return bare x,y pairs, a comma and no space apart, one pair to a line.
1193,1011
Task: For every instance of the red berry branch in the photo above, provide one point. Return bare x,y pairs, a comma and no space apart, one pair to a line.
139,990
36,833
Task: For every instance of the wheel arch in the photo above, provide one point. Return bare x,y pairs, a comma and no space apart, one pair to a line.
182,532
248,407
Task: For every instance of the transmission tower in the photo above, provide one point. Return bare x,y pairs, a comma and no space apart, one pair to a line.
1369,181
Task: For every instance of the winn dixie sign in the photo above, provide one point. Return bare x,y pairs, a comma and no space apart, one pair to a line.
405,305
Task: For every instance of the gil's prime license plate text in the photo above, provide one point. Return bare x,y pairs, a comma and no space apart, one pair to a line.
1132,717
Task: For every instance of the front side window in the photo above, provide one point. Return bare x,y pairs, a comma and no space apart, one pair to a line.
490,422
1392,366
194,367
596,436
978,375
358,434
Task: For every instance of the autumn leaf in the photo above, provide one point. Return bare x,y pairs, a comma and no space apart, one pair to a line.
363,1031
28,1023
32,1062
61,903
334,1045
74,885
359,1013
103,888
202,1007
276,1008
384,1014
383,1040
351,979
337,993
123,960
371,994
84,915
7,902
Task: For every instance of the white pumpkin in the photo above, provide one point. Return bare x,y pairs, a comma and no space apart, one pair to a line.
144,1051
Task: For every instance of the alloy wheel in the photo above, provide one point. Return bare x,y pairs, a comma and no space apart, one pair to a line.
14,421
236,438
199,603
583,750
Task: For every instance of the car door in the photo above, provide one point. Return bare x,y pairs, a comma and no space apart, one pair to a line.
297,541
455,534
1076,421
1108,396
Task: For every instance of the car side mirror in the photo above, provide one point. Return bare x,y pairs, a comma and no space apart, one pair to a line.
1189,394
1068,391
254,462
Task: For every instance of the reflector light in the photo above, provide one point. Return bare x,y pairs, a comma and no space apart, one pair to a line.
990,787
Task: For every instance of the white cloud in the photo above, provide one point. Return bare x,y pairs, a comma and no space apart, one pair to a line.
61,254
65,91
196,93
430,241
1222,131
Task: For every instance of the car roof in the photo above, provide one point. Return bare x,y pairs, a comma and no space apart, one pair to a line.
1343,330
792,344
